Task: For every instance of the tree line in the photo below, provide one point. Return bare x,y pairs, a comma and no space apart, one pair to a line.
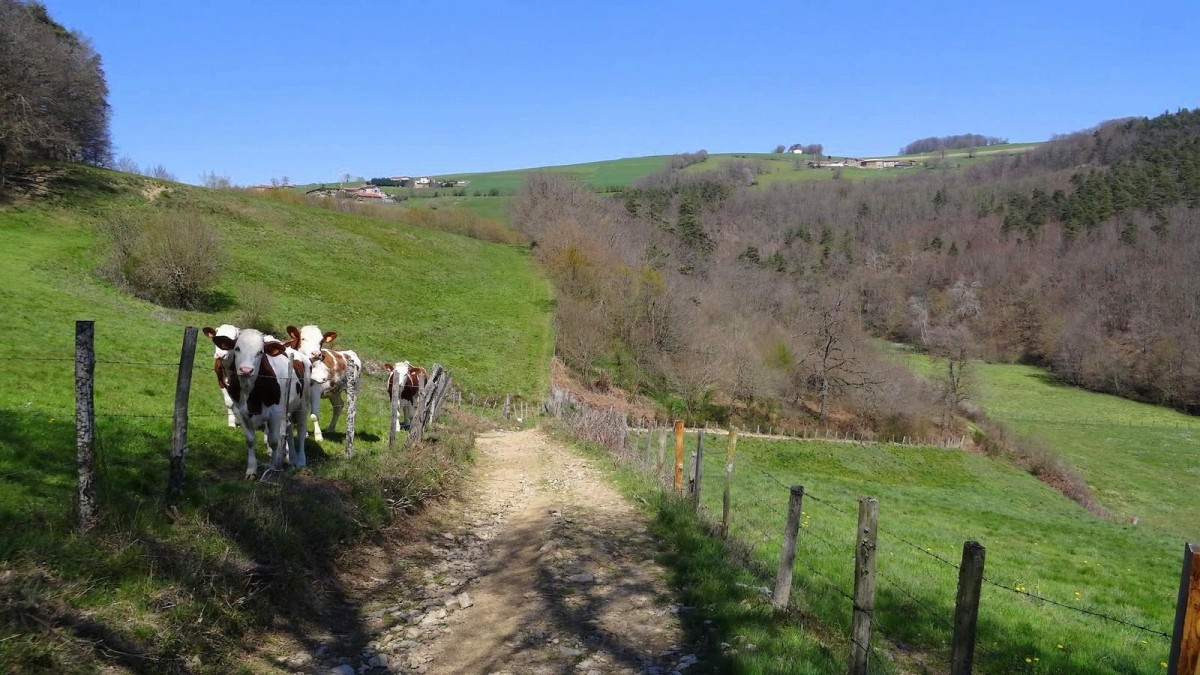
702,289
53,95
957,142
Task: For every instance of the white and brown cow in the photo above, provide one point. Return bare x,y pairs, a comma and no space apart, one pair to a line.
409,378
219,356
330,372
268,387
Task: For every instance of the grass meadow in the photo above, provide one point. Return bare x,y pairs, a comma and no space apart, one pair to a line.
931,500
181,589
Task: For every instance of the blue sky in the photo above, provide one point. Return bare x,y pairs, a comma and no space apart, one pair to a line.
256,90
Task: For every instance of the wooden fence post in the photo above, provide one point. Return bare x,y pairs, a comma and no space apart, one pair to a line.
966,609
1185,645
87,510
699,471
864,584
352,382
649,438
662,456
730,449
678,458
179,429
787,556
507,410
394,418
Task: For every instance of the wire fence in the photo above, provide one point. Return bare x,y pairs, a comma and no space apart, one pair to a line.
758,512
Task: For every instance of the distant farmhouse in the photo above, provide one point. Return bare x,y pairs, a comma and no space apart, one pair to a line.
862,163
361,193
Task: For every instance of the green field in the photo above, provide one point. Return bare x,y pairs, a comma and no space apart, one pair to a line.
1139,459
168,588
931,501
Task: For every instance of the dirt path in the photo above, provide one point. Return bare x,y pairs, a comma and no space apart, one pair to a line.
540,568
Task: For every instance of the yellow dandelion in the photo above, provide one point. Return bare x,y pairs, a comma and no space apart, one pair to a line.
1060,647
1163,664
1028,660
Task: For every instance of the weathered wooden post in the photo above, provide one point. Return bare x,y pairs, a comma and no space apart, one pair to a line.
966,609
730,450
678,458
179,429
507,410
699,471
864,584
87,511
1185,644
787,556
354,377
394,423
662,455
646,463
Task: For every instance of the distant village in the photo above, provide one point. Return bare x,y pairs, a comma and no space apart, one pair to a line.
372,190
861,163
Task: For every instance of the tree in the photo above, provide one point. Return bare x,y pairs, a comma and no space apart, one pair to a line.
778,149
53,95
835,348
159,171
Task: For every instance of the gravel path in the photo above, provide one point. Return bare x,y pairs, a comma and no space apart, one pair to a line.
541,567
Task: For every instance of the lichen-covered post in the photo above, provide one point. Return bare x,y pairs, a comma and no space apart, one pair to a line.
730,450
85,425
183,386
354,376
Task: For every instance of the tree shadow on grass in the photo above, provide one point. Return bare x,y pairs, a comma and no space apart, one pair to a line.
229,559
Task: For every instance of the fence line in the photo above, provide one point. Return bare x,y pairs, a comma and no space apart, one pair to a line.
764,504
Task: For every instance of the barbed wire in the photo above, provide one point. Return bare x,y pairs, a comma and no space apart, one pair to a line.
1080,610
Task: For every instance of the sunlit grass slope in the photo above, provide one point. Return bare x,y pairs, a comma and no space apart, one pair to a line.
931,500
1141,461
164,588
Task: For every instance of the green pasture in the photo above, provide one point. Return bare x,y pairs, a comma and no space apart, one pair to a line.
931,500
1140,460
165,587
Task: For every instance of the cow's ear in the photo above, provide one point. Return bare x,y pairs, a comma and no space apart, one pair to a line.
328,337
274,348
224,342
389,367
294,333
208,331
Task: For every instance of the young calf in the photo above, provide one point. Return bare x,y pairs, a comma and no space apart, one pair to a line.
267,387
408,377
330,372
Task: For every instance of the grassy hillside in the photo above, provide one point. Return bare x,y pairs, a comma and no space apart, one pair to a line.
1138,458
931,501
167,591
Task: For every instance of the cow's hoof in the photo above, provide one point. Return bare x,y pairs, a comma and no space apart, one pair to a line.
251,474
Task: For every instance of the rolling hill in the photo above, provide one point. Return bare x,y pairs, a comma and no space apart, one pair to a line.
158,589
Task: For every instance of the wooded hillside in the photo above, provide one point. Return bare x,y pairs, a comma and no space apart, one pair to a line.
1080,255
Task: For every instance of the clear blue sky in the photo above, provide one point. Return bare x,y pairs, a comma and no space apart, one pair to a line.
256,90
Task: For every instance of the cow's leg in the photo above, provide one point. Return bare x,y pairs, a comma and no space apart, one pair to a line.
315,413
233,420
335,402
251,459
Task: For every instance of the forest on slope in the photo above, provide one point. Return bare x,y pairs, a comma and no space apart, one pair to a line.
1079,256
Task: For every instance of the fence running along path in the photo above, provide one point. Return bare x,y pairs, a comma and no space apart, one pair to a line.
962,624
89,440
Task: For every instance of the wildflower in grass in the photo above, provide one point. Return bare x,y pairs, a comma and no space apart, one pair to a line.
1163,664
1061,647
1028,660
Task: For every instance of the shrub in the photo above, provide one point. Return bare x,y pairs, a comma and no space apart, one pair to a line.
172,258
256,304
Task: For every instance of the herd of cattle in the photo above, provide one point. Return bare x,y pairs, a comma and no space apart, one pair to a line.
278,386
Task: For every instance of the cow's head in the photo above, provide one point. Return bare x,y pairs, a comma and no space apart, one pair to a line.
400,368
247,351
224,330
311,340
